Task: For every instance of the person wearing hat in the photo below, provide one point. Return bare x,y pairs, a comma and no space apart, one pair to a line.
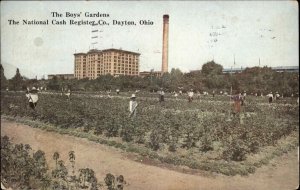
68,94
270,95
175,95
190,95
161,95
33,97
133,106
243,98
277,96
237,101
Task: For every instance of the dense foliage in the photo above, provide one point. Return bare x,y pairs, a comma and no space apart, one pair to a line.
22,168
171,126
259,80
3,78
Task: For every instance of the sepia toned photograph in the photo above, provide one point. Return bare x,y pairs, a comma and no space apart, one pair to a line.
149,95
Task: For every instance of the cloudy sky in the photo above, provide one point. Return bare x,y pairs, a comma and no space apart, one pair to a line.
198,32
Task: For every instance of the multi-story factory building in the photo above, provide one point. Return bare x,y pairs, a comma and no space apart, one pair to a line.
109,61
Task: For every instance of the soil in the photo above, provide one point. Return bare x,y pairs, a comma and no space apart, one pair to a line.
281,173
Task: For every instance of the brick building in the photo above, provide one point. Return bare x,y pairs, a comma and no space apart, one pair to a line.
108,61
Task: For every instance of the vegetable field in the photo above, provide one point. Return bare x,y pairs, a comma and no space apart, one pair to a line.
201,135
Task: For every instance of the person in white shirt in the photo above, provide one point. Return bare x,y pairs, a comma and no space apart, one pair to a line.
133,106
277,96
161,95
33,97
68,94
190,95
270,95
176,95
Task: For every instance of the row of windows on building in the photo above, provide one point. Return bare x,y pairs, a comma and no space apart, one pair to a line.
110,70
107,72
109,61
119,65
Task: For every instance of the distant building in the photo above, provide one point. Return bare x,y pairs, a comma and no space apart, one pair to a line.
108,61
286,69
233,70
195,71
61,76
150,73
277,69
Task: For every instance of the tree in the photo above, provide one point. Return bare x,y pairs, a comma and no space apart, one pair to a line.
53,84
176,77
212,68
3,78
17,81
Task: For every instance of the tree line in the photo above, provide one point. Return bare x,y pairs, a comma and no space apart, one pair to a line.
260,80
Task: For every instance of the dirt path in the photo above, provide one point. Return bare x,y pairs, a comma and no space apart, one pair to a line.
282,173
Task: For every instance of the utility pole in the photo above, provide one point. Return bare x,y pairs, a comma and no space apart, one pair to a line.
95,37
229,119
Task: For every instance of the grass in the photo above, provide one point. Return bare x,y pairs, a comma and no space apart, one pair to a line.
231,168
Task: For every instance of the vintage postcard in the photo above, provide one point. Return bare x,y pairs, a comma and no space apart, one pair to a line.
150,95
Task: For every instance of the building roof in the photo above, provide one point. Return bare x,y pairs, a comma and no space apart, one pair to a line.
107,50
286,67
120,50
79,53
60,74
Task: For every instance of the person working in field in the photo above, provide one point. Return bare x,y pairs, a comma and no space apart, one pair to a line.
190,95
198,95
270,96
33,97
277,96
243,98
133,106
237,100
175,95
161,95
68,94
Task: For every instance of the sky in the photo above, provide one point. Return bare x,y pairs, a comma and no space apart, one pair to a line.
199,31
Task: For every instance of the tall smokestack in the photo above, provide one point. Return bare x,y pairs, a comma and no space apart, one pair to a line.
165,48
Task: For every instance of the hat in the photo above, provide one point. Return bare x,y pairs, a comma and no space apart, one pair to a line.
133,96
33,90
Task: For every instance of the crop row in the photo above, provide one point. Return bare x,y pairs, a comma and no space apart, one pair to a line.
201,126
